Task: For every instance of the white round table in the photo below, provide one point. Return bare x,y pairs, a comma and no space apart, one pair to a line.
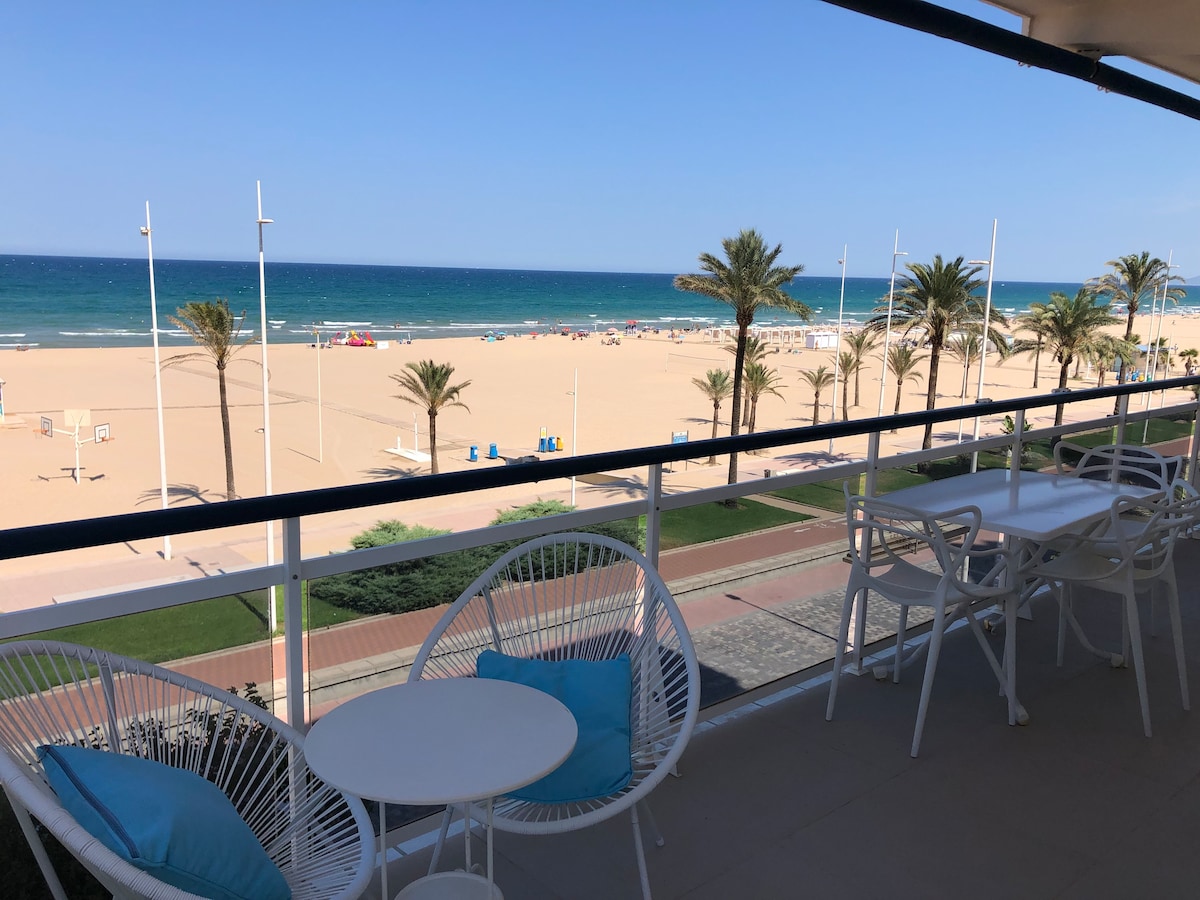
442,741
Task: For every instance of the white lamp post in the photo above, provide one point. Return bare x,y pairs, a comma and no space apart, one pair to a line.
1154,336
837,349
162,446
262,306
320,407
887,336
983,346
574,428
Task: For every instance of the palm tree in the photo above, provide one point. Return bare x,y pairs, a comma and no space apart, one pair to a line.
861,343
717,385
818,381
1133,279
1189,360
902,363
965,348
934,300
427,384
1034,323
850,365
211,325
1105,350
1073,325
760,381
749,281
756,351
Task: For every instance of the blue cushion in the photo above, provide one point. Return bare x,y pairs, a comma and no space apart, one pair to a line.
168,822
598,694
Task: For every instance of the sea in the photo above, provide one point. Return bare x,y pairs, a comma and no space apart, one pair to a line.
58,301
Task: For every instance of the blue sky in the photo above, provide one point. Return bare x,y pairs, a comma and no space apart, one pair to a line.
615,136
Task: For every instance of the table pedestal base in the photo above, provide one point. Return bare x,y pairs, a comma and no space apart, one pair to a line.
451,886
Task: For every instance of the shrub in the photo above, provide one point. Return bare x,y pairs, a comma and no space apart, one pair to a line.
434,580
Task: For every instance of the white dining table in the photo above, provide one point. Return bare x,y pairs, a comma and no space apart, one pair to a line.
442,741
1031,507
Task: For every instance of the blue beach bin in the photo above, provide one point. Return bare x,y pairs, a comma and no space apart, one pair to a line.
474,457
541,445
550,444
492,454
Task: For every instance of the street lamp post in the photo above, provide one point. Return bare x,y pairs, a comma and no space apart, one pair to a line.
262,308
574,428
1154,337
837,349
320,407
990,262
162,446
887,335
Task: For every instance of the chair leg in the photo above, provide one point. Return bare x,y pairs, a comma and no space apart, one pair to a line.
901,632
935,647
1064,597
1139,664
39,850
1177,635
443,832
839,653
641,852
647,818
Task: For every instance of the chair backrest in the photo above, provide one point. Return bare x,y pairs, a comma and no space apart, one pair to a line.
57,693
582,596
1118,463
1145,550
887,535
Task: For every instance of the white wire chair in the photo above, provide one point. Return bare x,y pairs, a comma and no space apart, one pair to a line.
580,596
57,693
907,557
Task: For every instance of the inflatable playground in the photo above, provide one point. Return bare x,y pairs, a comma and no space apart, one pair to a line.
354,339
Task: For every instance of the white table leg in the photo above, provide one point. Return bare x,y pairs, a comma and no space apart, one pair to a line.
467,834
383,880
490,876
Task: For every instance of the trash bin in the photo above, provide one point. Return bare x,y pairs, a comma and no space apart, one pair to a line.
492,454
558,443
474,457
541,445
550,444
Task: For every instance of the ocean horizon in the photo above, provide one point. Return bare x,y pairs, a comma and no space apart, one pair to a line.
62,301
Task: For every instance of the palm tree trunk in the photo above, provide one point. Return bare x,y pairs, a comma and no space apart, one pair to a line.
1037,363
735,414
753,420
433,466
230,492
845,409
816,409
1062,383
899,388
935,357
712,460
858,386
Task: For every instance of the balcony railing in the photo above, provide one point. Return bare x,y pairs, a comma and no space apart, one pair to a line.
295,568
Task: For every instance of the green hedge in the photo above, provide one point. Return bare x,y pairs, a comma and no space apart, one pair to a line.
433,580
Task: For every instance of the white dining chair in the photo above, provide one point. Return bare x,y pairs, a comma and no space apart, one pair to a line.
907,557
1127,554
578,598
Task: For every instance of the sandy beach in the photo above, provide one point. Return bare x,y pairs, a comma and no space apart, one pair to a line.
633,394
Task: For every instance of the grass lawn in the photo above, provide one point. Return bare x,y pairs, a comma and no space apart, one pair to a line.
712,521
191,629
